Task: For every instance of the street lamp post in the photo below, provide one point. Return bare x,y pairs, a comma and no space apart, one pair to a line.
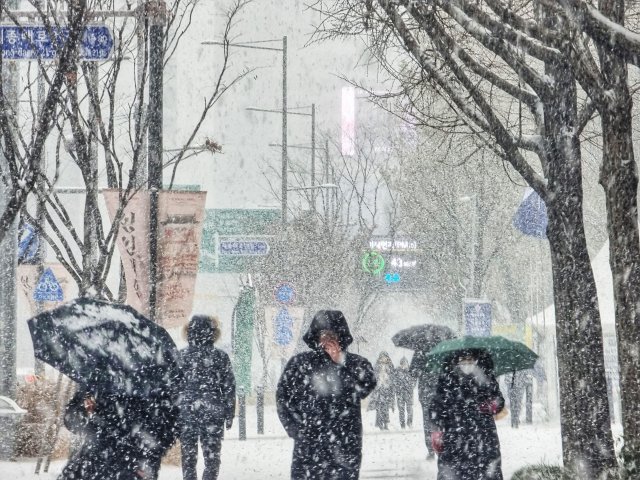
284,112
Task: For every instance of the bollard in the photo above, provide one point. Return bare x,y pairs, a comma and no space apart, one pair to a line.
260,408
242,415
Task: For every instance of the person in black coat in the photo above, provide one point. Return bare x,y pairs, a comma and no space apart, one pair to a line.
207,401
427,383
467,397
405,383
120,437
318,400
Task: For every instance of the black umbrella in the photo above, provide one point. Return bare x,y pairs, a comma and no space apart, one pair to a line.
422,337
108,347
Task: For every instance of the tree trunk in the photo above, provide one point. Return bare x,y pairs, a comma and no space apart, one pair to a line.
586,430
619,179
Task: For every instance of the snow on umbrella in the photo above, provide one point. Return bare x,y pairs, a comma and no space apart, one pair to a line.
422,337
107,346
507,355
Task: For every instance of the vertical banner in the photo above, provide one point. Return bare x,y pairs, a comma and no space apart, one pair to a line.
242,343
181,217
348,121
133,245
477,317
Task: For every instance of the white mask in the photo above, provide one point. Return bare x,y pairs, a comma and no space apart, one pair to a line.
467,368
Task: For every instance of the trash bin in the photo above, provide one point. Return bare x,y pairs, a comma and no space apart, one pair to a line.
10,416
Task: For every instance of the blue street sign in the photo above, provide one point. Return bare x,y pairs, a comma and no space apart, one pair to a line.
283,328
477,318
392,278
35,42
48,289
28,243
244,247
531,217
285,293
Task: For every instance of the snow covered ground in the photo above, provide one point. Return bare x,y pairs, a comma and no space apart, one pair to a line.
387,455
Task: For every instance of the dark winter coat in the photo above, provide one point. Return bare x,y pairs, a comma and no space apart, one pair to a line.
471,446
319,404
118,439
208,385
405,382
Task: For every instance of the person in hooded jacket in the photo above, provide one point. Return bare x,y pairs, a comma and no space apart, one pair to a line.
467,398
384,395
207,401
318,401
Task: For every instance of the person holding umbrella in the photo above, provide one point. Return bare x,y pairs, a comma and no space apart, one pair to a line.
421,339
466,440
127,371
207,402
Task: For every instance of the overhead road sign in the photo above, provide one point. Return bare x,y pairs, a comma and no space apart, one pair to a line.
36,42
244,247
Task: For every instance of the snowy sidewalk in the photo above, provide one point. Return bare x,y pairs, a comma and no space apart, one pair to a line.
394,454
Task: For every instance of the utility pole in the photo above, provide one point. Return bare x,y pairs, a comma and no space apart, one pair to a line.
313,157
285,160
156,13
8,252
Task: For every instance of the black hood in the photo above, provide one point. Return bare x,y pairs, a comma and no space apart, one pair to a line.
200,331
332,320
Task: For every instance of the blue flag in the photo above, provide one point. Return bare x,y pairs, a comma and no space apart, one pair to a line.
531,217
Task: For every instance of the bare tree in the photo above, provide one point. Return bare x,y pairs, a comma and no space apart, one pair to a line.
507,77
103,121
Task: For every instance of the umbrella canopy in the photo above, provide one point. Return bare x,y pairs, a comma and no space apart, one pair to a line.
507,355
109,347
422,337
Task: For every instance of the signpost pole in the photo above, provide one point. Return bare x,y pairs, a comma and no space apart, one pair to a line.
284,131
156,10
8,255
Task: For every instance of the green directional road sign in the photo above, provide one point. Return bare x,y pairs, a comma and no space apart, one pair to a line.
232,239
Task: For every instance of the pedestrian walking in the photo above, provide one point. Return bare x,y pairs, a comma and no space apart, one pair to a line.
383,397
405,382
207,401
112,428
427,383
467,397
318,400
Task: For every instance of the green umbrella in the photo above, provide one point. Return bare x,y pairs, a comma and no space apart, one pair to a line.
507,355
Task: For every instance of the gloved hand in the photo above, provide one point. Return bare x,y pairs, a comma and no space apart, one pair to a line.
437,441
229,423
490,407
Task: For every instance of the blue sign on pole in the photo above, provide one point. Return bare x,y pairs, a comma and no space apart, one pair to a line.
28,243
284,293
283,328
36,42
48,289
531,217
244,247
477,318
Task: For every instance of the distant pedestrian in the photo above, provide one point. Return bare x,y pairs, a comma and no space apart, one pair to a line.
427,383
207,402
405,383
318,400
383,397
467,398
